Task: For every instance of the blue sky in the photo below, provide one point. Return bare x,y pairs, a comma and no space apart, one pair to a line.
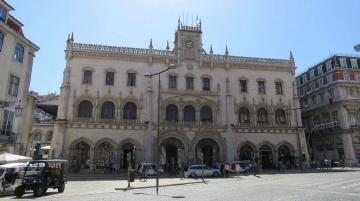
312,29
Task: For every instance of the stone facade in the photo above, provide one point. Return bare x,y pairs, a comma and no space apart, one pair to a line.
216,107
329,94
16,60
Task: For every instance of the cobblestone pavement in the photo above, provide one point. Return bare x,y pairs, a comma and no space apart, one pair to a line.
323,186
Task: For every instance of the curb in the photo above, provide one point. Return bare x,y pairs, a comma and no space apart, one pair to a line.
166,185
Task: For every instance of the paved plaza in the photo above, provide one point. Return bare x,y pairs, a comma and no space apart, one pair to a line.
335,185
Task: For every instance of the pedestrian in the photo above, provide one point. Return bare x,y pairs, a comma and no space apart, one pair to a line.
254,168
222,169
227,170
237,169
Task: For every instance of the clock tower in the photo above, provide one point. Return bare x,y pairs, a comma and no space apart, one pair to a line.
188,43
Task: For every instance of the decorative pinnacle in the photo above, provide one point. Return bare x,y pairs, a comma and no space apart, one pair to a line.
211,50
151,45
72,36
178,24
291,56
167,45
226,51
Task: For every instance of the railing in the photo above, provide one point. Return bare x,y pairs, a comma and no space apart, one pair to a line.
263,125
218,57
190,123
7,136
327,126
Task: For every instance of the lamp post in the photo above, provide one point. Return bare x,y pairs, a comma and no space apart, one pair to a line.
150,75
298,135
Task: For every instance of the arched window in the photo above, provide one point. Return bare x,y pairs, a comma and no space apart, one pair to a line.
171,113
49,136
280,116
262,116
244,115
85,109
206,114
129,111
189,113
37,136
108,110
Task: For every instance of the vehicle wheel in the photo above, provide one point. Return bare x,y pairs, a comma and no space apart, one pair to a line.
61,187
215,174
39,190
19,191
193,175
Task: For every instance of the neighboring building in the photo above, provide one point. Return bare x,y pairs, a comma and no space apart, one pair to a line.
330,97
357,48
16,59
220,107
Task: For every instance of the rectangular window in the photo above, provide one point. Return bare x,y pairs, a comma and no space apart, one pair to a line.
301,91
109,78
172,82
321,97
13,85
343,63
206,84
243,86
190,83
19,53
319,68
313,98
87,77
321,82
2,36
305,78
354,63
316,85
357,76
131,81
7,124
279,89
349,91
346,75
3,13
261,87
328,65
311,73
329,78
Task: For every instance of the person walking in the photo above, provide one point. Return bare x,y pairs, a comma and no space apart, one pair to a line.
254,168
227,170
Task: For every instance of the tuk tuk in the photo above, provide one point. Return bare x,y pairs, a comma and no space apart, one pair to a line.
40,175
10,176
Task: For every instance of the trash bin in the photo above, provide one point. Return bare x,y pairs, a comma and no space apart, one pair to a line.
132,175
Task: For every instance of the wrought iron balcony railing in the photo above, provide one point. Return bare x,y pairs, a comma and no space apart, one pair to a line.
7,136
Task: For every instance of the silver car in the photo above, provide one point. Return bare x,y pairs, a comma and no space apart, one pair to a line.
197,170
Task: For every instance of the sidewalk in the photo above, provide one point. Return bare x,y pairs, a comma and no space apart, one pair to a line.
151,183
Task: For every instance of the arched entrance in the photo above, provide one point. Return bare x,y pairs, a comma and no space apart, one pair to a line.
79,156
127,155
208,150
103,156
266,157
246,152
285,157
172,154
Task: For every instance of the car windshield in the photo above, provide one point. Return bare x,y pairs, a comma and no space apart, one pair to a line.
34,168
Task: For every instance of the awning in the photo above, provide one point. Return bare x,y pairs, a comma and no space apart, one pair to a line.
13,158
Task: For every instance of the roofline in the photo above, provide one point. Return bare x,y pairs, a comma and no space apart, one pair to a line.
14,18
16,34
8,5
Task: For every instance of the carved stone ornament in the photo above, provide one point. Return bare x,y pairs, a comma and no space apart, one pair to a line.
189,66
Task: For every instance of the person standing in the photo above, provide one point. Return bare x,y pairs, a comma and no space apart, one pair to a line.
227,170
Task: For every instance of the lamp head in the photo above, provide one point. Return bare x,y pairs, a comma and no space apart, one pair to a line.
171,66
148,75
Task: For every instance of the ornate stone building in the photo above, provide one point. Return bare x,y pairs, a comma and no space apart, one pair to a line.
221,107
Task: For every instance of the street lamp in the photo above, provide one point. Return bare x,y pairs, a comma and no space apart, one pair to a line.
297,133
150,75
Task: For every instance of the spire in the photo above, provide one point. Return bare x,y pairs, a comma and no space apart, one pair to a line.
200,23
226,51
151,45
72,36
68,39
178,27
291,57
167,45
211,50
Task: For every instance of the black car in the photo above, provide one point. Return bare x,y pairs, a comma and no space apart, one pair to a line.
43,174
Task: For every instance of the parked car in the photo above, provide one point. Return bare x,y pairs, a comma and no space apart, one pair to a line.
245,166
43,174
194,171
150,169
10,176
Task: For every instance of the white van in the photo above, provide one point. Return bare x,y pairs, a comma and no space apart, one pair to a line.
10,176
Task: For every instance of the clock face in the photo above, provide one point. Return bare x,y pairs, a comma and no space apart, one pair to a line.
189,44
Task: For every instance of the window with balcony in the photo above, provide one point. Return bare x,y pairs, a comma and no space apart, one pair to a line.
349,91
85,109
328,65
206,114
313,98
262,116
312,73
261,87
172,82
109,78
279,88
172,113
8,119
189,83
13,86
2,36
346,75
280,117
206,84
19,53
243,86
354,63
3,13
343,63
189,113
357,76
108,110
131,81
244,116
130,111
87,77
319,69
